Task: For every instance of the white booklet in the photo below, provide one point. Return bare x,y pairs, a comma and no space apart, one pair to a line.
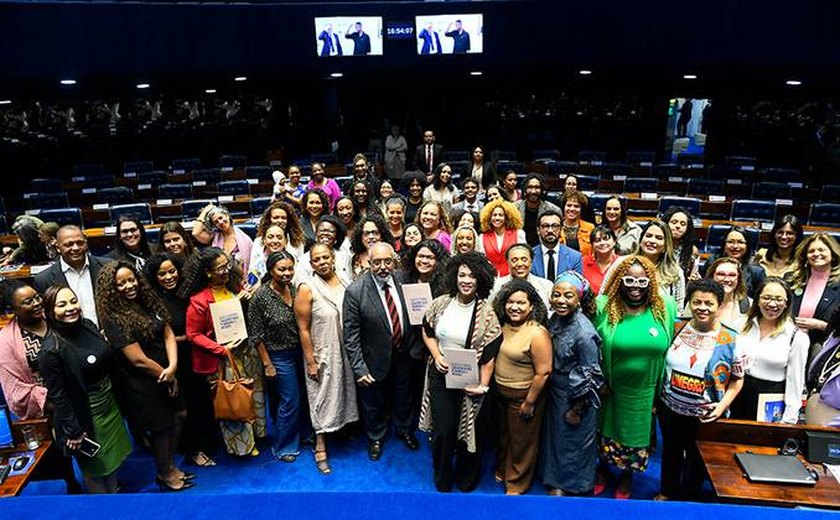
417,296
228,320
463,367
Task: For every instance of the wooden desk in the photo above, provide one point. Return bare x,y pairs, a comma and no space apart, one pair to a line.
14,484
718,443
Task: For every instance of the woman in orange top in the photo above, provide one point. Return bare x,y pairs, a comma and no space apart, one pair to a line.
575,230
501,226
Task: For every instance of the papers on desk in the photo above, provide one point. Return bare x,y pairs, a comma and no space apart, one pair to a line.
417,296
834,469
35,269
463,367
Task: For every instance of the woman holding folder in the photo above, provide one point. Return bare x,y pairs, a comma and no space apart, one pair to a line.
213,277
453,413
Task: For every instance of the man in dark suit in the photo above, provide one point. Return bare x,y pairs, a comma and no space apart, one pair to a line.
75,268
460,37
431,40
377,338
428,155
332,44
550,256
361,40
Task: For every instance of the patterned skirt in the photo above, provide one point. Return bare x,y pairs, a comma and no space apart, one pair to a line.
625,458
240,437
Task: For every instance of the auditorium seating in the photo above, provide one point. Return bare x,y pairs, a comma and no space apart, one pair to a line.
84,170
546,155
116,195
592,156
45,185
641,185
704,187
782,175
498,155
186,165
191,208
175,191
140,211
96,181
207,175
233,161
691,204
503,167
825,214
739,160
138,166
62,216
48,200
560,168
638,158
258,172
717,235
753,210
830,193
234,188
258,205
153,177
771,191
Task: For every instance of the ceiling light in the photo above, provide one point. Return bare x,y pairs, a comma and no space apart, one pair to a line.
240,78
68,82
585,72
336,75
476,73
143,85
5,101
210,91
793,82
689,76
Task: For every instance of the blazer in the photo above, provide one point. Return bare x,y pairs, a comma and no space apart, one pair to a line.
825,309
25,396
367,328
206,352
54,275
420,157
330,39
489,174
567,260
427,36
584,229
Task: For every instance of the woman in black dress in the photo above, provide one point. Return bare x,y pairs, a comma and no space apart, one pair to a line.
163,272
136,323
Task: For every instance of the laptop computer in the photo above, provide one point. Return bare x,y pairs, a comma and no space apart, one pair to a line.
777,469
6,438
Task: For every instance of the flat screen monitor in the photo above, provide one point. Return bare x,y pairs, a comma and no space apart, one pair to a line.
348,36
6,439
450,34
688,120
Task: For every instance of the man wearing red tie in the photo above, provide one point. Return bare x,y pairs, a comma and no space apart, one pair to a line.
428,155
377,339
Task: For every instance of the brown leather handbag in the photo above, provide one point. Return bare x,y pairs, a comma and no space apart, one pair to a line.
233,400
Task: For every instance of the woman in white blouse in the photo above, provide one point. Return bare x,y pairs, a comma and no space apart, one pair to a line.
776,351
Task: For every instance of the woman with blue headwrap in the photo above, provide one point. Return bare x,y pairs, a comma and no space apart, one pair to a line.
568,451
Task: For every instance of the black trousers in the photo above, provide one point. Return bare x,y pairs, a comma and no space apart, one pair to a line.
682,472
393,395
451,461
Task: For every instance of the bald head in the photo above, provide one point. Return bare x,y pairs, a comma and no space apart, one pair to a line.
381,259
72,246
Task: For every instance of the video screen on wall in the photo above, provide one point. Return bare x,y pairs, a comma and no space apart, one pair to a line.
450,34
348,36
687,124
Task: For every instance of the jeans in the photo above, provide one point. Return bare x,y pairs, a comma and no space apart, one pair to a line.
287,395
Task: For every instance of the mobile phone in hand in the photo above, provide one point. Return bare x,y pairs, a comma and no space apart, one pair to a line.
89,448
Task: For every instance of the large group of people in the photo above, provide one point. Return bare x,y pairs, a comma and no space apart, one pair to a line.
579,336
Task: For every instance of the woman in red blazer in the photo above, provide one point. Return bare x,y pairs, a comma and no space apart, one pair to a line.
501,226
210,277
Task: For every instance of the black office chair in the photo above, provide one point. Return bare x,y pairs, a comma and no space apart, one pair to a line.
829,193
41,185
99,181
641,185
155,178
62,216
233,188
691,204
49,200
717,233
704,187
117,195
84,170
191,208
233,161
138,166
140,211
782,175
258,205
771,191
175,191
208,175
592,155
754,210
546,155
825,214
258,172
185,165
560,168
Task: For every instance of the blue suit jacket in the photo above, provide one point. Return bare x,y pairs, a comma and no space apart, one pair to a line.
567,260
426,36
330,39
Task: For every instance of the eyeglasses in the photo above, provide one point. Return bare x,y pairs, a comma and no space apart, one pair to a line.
222,269
726,275
632,281
129,231
766,298
32,301
382,261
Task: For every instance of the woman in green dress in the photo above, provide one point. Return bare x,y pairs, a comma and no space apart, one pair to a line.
635,319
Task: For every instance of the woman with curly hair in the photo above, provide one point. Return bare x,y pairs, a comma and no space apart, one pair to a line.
273,240
136,322
462,318
441,189
778,258
371,229
175,239
522,369
348,212
211,277
635,320
576,230
360,190
313,206
131,243
214,227
501,227
164,273
80,373
434,222
286,216
568,451
815,282
426,263
681,223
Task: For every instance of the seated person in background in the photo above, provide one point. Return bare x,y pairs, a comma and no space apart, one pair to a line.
778,258
627,233
532,205
501,226
550,256
519,258
75,268
131,244
31,250
576,230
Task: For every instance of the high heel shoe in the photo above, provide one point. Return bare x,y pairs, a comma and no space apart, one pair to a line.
187,477
166,486
322,462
